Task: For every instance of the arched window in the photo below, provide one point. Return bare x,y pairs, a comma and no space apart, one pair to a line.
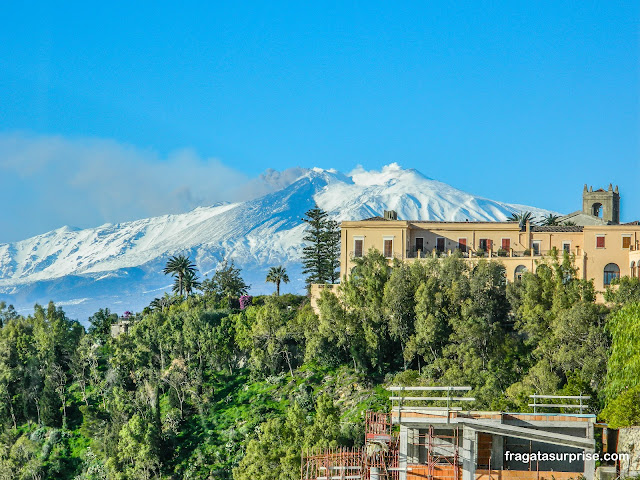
520,269
596,209
611,271
633,269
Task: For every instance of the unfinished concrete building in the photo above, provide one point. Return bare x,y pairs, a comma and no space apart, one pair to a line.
439,439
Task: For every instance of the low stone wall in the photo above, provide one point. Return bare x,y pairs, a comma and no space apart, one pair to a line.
629,442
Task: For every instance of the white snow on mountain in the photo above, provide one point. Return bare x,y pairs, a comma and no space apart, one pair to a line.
120,266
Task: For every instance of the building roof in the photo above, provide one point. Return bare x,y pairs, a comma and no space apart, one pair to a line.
557,228
382,219
581,218
460,221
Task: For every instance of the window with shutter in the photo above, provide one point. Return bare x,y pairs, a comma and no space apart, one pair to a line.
357,247
388,248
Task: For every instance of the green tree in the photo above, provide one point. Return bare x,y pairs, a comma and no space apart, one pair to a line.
399,305
100,324
190,281
332,250
438,304
335,335
138,448
321,255
178,266
275,451
363,293
314,254
623,367
277,275
6,313
623,290
272,337
226,282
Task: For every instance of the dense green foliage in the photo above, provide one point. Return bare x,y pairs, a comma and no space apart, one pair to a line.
200,389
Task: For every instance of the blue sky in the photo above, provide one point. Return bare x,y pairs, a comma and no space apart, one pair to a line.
516,101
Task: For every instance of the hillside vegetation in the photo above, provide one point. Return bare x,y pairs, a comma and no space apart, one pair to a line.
201,389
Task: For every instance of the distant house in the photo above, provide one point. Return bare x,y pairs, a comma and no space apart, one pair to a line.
121,326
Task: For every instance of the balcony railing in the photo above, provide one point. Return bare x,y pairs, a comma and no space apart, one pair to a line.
397,255
471,254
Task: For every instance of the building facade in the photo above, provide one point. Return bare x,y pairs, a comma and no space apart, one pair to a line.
601,248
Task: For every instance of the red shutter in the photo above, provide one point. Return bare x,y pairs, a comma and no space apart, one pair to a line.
599,242
506,243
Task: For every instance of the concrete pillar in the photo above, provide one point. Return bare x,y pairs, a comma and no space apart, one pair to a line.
413,437
469,454
589,465
402,451
497,452
410,445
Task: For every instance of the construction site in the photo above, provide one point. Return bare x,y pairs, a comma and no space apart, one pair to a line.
429,434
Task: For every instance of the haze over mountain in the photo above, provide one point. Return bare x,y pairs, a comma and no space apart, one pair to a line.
120,265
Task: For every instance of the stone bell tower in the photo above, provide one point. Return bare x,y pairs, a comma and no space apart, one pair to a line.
602,203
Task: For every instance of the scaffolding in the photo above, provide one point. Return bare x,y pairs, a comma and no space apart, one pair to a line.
377,460
362,463
442,451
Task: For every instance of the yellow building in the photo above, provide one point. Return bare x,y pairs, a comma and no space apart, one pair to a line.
602,248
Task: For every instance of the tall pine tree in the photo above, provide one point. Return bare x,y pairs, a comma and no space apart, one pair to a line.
314,254
321,256
332,250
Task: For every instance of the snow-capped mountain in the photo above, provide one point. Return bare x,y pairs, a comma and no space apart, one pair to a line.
120,266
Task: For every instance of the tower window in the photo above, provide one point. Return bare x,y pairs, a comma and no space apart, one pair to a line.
597,209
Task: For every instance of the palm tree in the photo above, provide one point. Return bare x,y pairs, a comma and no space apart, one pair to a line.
550,220
178,266
191,282
277,275
521,218
161,303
